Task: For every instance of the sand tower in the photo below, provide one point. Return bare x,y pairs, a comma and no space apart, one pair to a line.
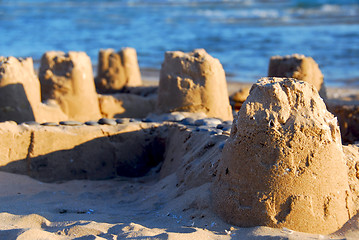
68,79
193,82
118,70
283,163
20,89
299,67
20,98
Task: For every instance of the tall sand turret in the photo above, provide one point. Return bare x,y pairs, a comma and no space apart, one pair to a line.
68,79
283,164
193,82
118,70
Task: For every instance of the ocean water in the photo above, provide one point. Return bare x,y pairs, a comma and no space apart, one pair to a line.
242,34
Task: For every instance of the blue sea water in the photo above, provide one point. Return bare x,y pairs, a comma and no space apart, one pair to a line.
242,34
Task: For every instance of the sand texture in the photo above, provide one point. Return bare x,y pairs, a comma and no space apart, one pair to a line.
278,165
193,82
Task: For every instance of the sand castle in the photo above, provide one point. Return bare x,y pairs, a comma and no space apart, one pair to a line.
275,168
278,166
193,82
117,70
299,67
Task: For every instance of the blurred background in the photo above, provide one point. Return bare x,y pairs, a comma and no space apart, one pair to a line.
242,34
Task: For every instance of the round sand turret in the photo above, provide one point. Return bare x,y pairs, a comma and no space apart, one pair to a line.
283,163
299,67
193,82
20,98
117,70
19,88
68,79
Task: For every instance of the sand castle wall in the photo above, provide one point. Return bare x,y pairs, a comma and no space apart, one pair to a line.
68,79
278,166
77,151
193,82
51,153
117,70
299,67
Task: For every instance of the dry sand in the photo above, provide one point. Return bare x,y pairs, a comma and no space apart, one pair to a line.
119,209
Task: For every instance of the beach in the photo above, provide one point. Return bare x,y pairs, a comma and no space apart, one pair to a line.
242,34
161,119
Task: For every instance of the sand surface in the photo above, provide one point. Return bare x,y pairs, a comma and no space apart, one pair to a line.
119,209
171,202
